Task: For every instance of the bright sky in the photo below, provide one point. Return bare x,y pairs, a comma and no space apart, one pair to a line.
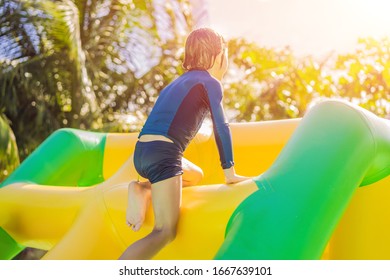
308,26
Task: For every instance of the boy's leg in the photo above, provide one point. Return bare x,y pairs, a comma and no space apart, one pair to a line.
166,199
139,194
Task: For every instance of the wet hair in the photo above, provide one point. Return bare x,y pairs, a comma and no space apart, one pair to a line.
202,47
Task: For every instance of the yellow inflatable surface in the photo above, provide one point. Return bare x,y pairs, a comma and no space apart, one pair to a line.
89,222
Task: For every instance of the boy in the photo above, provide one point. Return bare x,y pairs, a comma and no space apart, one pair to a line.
174,121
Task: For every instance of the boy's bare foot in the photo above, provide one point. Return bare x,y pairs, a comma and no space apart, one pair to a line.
139,195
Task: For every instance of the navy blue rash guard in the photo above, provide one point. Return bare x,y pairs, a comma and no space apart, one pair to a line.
181,108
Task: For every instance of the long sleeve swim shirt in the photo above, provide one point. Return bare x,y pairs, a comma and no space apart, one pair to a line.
181,108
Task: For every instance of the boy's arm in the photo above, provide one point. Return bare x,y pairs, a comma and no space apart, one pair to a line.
221,127
223,136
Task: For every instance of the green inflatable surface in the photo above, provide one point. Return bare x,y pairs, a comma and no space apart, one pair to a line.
69,157
336,148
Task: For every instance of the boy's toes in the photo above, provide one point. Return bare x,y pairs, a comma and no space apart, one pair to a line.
136,227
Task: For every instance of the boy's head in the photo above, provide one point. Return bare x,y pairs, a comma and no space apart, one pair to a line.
203,47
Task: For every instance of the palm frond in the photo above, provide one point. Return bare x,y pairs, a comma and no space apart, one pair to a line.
9,157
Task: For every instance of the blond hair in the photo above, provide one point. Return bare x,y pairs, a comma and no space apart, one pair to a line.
202,47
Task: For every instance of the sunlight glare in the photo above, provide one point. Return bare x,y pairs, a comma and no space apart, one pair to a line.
372,16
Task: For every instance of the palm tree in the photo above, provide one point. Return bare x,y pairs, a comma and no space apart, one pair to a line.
9,157
80,63
42,73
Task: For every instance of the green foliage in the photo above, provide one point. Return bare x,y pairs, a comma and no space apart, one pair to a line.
92,64
259,83
43,75
266,84
100,65
364,77
133,93
9,157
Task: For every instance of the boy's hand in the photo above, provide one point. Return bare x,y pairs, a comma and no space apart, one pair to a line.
231,177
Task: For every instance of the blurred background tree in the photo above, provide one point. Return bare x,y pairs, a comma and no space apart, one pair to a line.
100,65
88,64
9,156
269,84
364,76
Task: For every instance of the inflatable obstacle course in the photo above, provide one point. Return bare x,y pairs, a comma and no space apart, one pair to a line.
69,197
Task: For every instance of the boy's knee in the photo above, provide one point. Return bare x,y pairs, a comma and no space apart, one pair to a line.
195,176
199,175
167,233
